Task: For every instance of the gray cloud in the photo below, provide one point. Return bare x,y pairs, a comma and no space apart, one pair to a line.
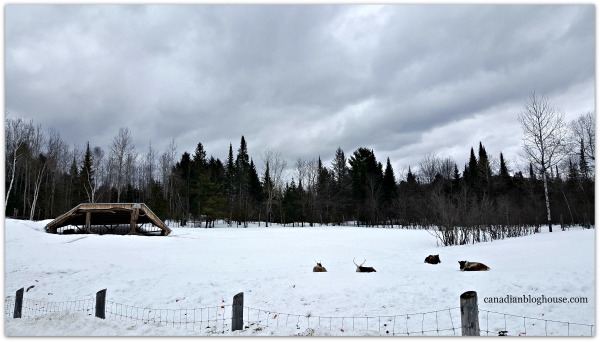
405,80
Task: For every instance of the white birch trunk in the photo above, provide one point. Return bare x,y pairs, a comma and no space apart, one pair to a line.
36,192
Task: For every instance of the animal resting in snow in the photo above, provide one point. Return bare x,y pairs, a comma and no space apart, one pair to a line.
433,259
361,268
319,268
472,266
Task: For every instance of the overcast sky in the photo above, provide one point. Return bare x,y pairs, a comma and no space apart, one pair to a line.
302,80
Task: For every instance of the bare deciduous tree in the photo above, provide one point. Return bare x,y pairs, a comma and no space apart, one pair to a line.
122,155
429,166
543,138
432,164
583,133
275,163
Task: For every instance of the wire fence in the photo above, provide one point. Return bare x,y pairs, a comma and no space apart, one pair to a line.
209,320
444,322
35,308
217,320
503,324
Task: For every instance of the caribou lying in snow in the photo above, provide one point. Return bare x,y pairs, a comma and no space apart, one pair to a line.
361,268
319,268
472,266
433,259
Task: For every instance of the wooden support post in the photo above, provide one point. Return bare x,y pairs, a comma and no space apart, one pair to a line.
237,312
135,213
88,222
469,314
18,303
101,304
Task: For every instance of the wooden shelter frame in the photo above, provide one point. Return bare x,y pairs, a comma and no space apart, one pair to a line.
110,215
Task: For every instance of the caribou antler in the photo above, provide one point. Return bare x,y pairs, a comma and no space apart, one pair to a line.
360,264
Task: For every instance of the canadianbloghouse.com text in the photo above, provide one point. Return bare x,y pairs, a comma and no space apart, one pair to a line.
539,300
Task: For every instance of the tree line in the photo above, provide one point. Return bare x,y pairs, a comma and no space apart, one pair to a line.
483,199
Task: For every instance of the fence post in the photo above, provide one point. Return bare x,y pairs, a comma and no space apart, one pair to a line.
469,314
237,312
101,304
18,303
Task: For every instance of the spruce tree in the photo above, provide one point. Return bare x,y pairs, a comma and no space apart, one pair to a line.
75,184
87,176
456,178
389,184
229,184
472,172
483,164
242,180
410,178
199,187
340,187
503,168
268,187
254,186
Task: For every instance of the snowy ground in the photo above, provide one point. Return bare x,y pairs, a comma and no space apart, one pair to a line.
195,268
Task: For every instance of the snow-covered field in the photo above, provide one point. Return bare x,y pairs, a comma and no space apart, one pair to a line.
195,268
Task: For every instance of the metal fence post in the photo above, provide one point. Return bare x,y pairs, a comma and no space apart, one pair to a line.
101,304
18,303
237,312
469,314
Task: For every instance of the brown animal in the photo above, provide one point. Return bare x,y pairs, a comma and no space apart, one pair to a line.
472,266
361,268
433,259
319,268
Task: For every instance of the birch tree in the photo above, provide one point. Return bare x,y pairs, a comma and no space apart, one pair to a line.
38,167
543,139
18,132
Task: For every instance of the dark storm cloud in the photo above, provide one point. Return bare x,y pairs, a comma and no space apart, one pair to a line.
405,80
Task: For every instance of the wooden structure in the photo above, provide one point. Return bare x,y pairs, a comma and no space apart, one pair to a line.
109,218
